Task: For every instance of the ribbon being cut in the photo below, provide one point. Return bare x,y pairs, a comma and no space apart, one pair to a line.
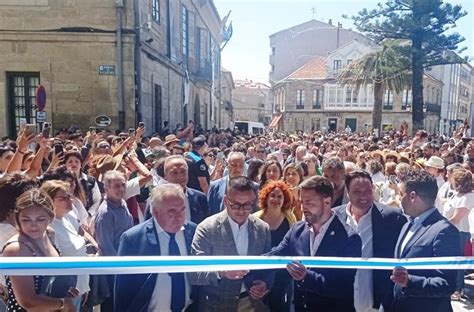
140,265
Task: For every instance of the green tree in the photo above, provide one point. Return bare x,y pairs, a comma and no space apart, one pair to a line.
424,23
383,70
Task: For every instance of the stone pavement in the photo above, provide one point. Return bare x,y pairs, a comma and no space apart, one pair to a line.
465,305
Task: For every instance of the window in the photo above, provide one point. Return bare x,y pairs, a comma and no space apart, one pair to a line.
204,53
406,100
348,96
336,64
155,10
22,99
332,96
273,50
185,35
300,99
339,96
316,99
349,61
388,100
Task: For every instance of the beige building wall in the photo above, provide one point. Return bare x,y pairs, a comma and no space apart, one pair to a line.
67,61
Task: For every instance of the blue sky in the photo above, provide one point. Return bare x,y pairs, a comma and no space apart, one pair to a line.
247,53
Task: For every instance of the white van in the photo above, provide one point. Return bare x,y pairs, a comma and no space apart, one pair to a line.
249,127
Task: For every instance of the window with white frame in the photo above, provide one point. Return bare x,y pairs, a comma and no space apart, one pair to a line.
388,100
331,96
407,99
155,10
316,99
300,98
336,64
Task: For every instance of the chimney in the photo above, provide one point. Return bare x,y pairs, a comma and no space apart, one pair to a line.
330,22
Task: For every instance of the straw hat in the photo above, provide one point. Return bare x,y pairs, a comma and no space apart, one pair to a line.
170,139
108,163
435,162
393,154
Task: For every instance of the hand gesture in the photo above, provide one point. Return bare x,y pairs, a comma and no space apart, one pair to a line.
297,270
258,289
400,276
234,275
24,140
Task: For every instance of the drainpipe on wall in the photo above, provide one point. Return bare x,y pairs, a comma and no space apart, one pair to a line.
120,97
137,64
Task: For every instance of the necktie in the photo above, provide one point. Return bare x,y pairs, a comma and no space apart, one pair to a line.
178,288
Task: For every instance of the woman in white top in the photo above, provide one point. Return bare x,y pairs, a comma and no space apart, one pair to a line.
456,210
67,239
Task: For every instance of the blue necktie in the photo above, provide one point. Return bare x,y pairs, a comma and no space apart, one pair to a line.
178,287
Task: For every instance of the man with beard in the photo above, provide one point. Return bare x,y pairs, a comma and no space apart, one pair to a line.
321,234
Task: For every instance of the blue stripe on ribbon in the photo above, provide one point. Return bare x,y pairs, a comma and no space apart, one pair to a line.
188,264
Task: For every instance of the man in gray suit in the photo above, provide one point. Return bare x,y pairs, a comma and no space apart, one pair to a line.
233,231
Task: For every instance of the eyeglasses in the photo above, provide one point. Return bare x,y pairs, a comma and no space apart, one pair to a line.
211,155
238,206
103,146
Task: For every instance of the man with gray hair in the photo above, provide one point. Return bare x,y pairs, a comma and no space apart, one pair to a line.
215,197
334,171
176,171
112,219
166,234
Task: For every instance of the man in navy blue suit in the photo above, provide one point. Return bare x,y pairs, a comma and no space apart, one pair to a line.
427,234
176,171
164,234
322,234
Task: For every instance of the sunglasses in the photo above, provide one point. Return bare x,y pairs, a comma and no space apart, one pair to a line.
103,146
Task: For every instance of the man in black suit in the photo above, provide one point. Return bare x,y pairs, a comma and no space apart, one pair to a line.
427,234
378,227
176,171
322,234
165,234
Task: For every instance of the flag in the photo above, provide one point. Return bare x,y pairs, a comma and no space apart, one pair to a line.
228,32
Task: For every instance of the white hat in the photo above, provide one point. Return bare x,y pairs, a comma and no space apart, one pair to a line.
435,162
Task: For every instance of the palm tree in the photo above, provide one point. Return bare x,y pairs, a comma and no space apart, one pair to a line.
384,69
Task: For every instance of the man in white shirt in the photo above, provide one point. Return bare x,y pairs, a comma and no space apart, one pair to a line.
378,227
165,234
233,231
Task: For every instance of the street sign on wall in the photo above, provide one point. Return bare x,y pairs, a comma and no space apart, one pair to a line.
107,70
103,121
40,116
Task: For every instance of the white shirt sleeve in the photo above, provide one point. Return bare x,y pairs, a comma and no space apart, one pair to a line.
133,188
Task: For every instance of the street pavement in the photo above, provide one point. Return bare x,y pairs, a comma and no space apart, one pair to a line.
465,304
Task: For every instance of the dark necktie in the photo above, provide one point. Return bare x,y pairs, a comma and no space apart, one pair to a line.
178,287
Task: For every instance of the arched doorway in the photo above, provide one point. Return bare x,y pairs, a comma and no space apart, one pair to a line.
197,111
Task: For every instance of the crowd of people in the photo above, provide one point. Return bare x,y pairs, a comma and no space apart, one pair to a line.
221,193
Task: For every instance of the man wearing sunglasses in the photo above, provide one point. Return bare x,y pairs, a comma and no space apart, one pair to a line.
233,232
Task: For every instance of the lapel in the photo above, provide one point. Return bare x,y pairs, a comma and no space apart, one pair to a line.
402,235
188,237
432,218
222,188
304,240
329,240
226,234
150,234
254,242
377,227
190,198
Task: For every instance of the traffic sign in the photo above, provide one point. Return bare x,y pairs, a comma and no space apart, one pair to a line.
40,117
40,98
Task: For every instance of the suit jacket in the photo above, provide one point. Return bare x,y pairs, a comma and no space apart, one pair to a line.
323,289
197,205
427,290
132,292
386,226
214,237
215,196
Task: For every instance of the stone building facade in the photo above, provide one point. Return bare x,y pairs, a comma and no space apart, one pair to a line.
167,69
310,99
70,49
226,107
250,100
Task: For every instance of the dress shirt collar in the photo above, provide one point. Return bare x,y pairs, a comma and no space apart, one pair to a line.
235,226
351,218
160,230
421,218
323,228
115,205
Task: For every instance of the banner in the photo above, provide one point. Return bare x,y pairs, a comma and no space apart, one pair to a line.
158,264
